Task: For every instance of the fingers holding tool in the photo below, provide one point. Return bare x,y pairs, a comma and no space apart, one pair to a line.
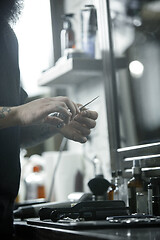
63,113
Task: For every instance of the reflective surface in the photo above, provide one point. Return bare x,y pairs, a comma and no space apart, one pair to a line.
135,233
136,39
147,233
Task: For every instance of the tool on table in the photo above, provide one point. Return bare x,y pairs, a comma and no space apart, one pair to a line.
88,210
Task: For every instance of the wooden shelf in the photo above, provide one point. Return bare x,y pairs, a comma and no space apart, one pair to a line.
73,70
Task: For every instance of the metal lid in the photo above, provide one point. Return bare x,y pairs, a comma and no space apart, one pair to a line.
136,169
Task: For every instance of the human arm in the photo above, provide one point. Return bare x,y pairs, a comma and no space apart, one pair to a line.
7,117
36,134
80,127
36,125
77,129
36,112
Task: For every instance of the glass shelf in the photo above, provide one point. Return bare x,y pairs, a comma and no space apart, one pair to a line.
72,71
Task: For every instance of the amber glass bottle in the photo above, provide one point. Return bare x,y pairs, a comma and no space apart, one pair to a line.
111,189
135,186
35,185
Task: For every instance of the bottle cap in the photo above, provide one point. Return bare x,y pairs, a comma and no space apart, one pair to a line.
113,174
136,167
66,20
91,17
68,15
119,172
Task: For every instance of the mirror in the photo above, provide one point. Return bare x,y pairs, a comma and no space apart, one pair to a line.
136,42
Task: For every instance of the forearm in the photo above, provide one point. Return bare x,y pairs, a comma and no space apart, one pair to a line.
35,134
8,117
38,111
30,135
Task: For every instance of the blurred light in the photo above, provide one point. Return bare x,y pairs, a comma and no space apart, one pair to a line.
137,22
136,69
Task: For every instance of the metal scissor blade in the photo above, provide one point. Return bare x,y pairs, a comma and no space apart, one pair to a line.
88,103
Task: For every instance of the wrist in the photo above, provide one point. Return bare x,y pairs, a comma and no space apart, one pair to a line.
15,116
8,117
54,129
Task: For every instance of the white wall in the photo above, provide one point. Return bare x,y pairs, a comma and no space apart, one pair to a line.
34,33
99,144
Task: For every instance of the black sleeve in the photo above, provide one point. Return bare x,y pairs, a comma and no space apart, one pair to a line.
23,96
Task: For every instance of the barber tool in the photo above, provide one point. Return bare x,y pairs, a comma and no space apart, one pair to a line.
61,116
88,210
81,108
33,210
99,187
57,114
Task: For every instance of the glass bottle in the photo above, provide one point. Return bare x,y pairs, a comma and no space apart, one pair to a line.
111,189
89,29
122,186
35,185
150,193
135,186
116,195
67,34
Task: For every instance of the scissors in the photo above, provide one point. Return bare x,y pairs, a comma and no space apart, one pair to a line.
60,115
81,108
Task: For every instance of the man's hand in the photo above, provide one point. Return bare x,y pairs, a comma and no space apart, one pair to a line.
79,128
38,111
